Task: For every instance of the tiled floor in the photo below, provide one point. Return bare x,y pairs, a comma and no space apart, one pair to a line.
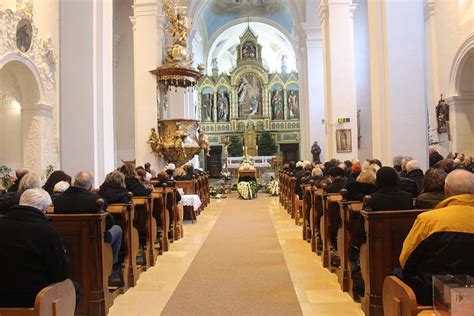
317,289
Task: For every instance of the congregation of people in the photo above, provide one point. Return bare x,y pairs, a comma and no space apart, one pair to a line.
442,237
32,254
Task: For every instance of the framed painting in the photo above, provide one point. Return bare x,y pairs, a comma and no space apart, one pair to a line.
344,141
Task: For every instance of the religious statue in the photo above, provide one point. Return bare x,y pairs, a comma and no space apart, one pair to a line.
179,31
293,104
214,64
316,151
284,66
277,105
442,115
203,141
207,100
250,139
155,142
222,107
178,136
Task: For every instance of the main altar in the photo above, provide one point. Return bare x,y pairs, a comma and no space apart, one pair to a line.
246,102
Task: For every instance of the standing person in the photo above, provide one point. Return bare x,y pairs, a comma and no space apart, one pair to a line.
32,255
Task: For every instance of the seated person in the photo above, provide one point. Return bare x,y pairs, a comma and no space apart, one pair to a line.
54,178
189,168
415,173
79,199
317,176
114,190
32,255
59,188
364,185
163,178
180,174
338,180
20,173
299,174
29,181
149,170
432,189
389,196
143,175
170,168
131,181
441,240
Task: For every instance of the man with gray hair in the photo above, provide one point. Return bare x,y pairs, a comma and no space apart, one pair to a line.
32,254
441,240
79,199
20,173
415,173
397,163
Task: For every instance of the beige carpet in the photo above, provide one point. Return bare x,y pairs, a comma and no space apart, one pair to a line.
240,269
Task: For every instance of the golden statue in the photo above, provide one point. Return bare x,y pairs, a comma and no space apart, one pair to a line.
203,141
250,139
155,142
180,25
178,136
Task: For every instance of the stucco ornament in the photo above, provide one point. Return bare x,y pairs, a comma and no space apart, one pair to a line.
41,51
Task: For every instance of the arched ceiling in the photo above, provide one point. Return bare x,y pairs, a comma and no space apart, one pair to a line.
217,13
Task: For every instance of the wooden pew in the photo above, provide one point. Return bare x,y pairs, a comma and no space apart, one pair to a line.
316,214
386,231
90,259
399,299
191,187
306,210
280,185
291,197
161,216
56,299
175,218
347,235
147,227
330,222
124,215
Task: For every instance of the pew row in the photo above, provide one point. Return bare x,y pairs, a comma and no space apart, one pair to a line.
54,300
399,299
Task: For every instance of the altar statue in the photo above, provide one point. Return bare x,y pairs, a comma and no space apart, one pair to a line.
250,139
203,141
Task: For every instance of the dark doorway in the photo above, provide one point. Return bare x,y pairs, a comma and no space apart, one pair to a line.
289,152
214,161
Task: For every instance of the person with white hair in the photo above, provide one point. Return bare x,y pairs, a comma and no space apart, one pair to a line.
415,173
32,255
441,240
30,180
299,173
59,188
20,173
397,163
405,160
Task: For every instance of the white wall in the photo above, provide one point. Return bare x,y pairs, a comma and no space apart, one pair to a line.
11,135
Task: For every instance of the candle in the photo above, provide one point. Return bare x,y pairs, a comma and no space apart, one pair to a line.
243,148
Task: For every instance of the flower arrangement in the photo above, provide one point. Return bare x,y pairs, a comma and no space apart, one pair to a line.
247,190
247,163
273,188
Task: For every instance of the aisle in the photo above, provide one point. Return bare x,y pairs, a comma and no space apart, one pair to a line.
239,258
240,269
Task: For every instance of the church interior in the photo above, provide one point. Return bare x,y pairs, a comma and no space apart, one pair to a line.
244,157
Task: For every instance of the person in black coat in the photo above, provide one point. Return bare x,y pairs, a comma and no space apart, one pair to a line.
364,185
10,199
416,174
79,199
299,173
338,180
55,177
435,156
114,190
389,196
131,181
32,255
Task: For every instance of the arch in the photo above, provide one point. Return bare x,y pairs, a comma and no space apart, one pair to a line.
27,70
465,52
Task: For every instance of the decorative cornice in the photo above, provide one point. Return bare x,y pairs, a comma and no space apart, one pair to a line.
429,9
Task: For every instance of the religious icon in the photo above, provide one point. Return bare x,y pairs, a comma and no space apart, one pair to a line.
249,96
343,141
24,34
293,104
442,116
277,104
249,50
223,106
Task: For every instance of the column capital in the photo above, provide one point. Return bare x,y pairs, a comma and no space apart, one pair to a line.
429,9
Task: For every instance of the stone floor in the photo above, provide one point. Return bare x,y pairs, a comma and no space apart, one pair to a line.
317,289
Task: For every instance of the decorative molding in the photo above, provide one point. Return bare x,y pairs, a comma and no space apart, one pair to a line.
133,20
41,52
429,9
323,12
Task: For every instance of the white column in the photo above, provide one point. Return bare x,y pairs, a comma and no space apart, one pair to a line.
339,73
86,56
312,116
398,80
147,43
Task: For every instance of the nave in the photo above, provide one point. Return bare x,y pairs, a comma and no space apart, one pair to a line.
240,257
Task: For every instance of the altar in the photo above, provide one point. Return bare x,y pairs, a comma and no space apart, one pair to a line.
259,162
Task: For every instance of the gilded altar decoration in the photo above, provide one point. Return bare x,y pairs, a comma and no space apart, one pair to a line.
176,140
177,70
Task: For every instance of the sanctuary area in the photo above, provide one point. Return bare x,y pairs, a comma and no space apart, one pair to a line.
241,157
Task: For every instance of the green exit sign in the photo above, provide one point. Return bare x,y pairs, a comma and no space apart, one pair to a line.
343,120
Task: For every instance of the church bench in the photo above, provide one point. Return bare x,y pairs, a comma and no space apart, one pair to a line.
331,221
90,259
161,216
147,228
172,219
287,191
379,255
280,186
206,188
292,198
348,235
188,186
284,191
305,210
124,215
399,299
316,214
57,299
